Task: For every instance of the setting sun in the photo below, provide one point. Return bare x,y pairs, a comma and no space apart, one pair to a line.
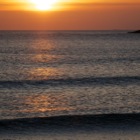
69,14
44,4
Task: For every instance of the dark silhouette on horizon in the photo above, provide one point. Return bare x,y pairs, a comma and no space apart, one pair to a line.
137,31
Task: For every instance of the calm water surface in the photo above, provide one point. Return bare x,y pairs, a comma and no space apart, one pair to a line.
52,73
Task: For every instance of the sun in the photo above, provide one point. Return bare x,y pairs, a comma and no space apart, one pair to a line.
44,5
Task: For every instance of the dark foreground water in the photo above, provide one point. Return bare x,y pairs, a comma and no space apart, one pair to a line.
77,75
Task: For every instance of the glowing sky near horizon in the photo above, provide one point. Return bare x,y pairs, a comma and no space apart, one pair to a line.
30,4
67,14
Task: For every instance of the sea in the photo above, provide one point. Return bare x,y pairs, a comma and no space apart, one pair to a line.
69,85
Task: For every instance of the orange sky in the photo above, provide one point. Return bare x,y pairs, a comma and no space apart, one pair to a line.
71,15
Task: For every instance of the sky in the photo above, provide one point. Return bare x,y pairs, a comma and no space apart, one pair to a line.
69,14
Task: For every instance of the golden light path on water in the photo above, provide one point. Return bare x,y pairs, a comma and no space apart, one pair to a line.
44,102
42,56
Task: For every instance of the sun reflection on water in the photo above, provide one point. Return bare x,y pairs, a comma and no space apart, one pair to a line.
46,103
43,58
44,66
41,73
44,63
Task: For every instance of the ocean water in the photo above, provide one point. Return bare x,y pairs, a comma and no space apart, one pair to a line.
68,73
52,73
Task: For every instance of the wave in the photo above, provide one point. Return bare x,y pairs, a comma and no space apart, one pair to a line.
73,122
75,81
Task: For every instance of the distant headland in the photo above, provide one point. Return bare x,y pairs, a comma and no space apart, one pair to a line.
137,31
